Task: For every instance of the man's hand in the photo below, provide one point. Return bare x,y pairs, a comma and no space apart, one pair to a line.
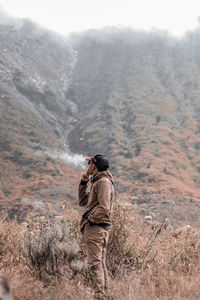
85,177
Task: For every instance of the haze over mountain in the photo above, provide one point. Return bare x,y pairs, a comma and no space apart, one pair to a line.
132,95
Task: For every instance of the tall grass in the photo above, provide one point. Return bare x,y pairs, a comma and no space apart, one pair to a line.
44,258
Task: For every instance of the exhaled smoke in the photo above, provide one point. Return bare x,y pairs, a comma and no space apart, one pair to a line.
76,160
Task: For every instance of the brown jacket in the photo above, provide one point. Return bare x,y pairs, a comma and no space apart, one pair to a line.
99,200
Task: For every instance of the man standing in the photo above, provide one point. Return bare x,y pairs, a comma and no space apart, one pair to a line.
96,220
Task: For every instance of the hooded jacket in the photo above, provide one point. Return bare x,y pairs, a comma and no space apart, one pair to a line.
99,200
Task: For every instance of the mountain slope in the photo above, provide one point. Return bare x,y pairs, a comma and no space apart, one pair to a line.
36,68
35,117
30,177
138,95
132,95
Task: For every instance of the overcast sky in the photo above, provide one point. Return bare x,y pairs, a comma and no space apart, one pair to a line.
65,16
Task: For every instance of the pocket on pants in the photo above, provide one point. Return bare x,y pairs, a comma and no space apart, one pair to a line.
96,233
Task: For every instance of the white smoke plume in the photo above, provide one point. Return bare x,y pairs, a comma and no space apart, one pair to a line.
76,160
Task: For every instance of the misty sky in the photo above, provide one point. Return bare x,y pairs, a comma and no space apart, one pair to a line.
65,16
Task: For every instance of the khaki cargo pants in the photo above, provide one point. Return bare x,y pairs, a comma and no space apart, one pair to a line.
96,240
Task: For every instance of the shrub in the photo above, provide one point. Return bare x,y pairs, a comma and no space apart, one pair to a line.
121,249
51,245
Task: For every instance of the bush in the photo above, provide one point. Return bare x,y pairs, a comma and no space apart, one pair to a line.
27,174
121,254
52,247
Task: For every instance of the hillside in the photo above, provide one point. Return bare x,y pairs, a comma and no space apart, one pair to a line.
132,95
35,68
139,100
30,177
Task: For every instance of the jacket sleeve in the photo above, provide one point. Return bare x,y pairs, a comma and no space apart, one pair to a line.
102,213
83,195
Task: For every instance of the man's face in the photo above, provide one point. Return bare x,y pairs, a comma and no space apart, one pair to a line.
92,168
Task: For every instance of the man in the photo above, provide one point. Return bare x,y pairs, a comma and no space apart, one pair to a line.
96,220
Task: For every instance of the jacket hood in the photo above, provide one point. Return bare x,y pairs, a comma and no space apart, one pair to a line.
103,174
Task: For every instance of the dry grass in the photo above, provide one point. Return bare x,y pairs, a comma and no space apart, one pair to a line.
44,258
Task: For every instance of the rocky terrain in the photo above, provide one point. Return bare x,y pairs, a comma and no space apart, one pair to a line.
132,95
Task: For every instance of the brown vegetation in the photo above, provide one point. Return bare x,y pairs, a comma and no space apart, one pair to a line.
44,258
25,167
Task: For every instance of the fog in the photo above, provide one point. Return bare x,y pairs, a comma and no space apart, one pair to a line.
64,17
6,19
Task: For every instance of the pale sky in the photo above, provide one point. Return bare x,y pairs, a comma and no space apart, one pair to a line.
65,16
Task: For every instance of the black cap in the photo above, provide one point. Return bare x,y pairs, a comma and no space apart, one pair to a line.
101,162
